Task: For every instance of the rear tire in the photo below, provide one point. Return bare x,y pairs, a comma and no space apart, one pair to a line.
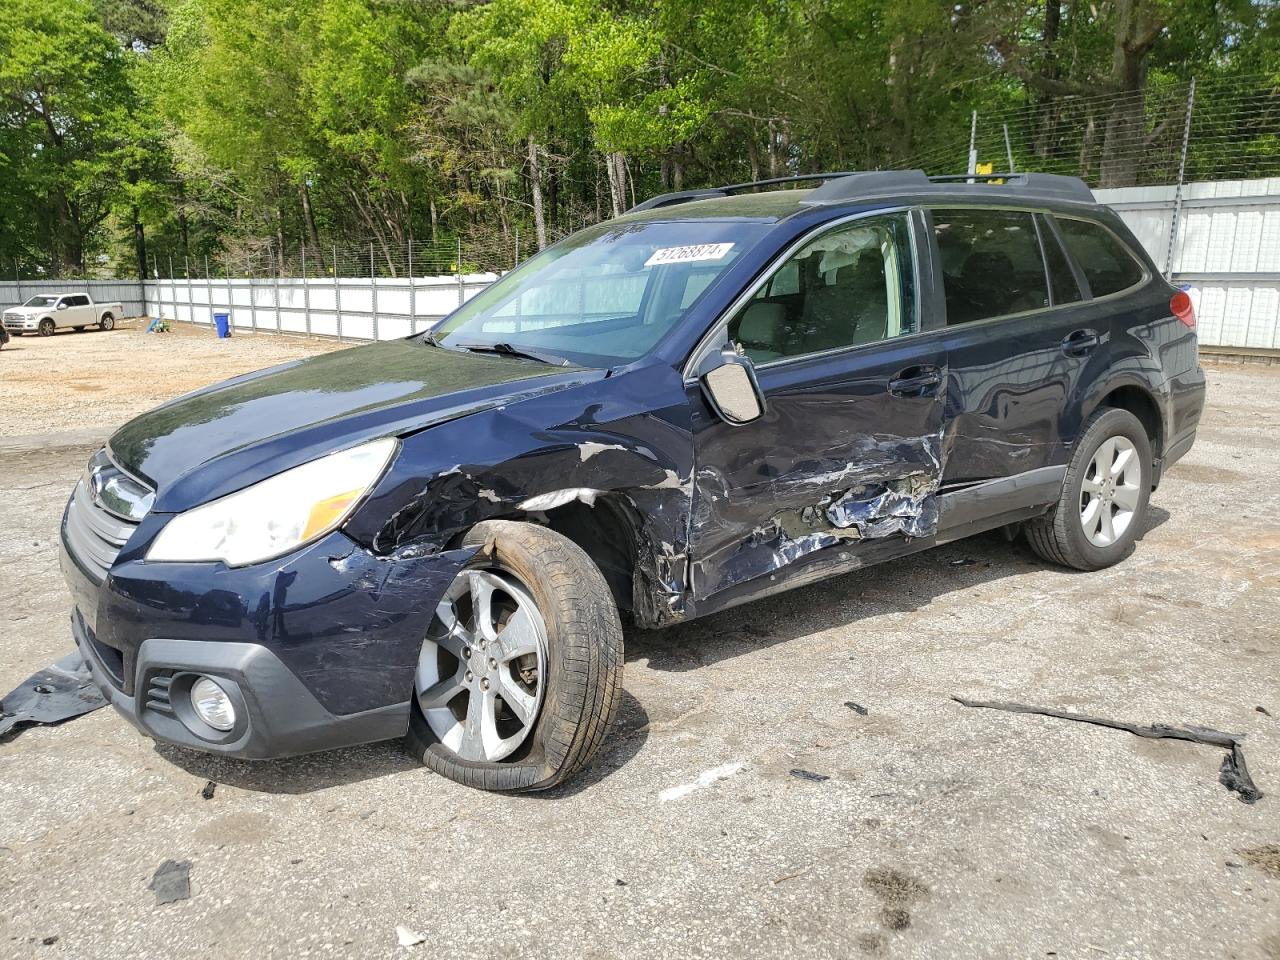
1103,504
576,696
107,322
47,327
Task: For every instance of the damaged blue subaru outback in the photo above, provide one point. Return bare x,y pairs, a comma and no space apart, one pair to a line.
723,394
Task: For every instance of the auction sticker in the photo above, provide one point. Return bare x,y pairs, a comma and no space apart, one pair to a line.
690,254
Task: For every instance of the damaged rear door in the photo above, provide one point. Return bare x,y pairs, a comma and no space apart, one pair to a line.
844,464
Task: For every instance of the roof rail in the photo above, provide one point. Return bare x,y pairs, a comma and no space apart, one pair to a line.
845,185
1031,184
684,196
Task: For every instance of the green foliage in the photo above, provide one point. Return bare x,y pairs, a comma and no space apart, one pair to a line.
232,128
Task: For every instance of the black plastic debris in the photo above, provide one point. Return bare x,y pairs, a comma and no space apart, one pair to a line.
1234,774
56,693
809,775
1263,710
207,791
172,881
857,708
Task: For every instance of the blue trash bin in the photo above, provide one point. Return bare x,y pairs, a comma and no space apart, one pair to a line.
222,321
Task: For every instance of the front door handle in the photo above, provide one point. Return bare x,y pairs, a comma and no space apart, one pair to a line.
915,381
1079,342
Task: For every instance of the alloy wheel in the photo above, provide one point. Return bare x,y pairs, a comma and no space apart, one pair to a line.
1110,491
482,671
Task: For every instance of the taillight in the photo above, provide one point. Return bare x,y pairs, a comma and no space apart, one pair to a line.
1183,309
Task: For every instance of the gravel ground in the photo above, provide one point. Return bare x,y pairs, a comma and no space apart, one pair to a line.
96,381
940,831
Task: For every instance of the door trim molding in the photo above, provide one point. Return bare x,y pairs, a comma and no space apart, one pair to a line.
1033,488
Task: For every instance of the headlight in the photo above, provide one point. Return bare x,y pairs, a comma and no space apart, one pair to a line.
279,514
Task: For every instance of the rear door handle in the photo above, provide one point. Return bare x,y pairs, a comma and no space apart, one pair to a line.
1079,342
915,381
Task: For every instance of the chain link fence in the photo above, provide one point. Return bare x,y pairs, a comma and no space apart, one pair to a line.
1214,129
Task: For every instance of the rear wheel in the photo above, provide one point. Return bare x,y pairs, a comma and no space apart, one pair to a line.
46,327
1104,498
107,322
521,669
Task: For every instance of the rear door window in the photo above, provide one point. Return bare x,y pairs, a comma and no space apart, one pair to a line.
991,263
1106,263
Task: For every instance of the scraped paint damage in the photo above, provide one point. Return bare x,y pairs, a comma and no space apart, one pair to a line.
827,505
623,490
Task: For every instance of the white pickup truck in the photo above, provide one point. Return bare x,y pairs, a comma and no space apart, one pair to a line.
49,312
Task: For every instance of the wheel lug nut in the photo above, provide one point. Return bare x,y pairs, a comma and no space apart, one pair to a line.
493,664
466,653
470,676
484,684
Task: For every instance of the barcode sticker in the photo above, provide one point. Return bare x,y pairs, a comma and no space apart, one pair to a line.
689,254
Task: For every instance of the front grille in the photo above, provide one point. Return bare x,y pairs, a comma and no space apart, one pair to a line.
94,536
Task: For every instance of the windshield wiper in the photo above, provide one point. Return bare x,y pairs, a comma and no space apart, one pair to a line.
508,350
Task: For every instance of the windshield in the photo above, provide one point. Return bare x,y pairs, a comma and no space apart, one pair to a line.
41,302
604,296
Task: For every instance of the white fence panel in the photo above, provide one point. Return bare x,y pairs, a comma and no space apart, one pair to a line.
1227,252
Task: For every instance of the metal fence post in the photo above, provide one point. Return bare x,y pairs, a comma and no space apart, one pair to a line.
253,298
208,288
373,291
458,266
413,294
275,290
306,291
191,310
173,291
337,294
1182,171
17,278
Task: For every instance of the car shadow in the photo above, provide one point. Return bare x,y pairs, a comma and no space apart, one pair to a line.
898,586
335,768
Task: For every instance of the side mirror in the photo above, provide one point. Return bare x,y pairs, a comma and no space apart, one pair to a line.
729,384
61,306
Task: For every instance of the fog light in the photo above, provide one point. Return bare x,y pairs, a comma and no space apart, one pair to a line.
212,705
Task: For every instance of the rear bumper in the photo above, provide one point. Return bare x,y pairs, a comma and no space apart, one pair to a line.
316,651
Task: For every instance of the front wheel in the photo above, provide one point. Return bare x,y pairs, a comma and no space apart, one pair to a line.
1103,505
108,322
520,672
46,327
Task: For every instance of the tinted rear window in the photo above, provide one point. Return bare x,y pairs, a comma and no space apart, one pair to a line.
1107,264
991,263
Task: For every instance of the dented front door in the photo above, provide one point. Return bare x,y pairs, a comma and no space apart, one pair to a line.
846,457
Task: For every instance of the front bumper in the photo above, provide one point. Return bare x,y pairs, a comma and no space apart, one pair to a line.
318,650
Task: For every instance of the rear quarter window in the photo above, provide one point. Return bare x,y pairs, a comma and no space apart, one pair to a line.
1107,264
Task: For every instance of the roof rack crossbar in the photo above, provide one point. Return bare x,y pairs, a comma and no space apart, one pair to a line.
1028,184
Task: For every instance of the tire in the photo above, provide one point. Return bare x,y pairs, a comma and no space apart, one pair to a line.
580,675
1064,536
108,322
47,327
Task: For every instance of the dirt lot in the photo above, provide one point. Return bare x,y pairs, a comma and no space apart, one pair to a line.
941,832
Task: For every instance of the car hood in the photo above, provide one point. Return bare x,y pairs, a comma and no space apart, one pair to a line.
223,438
26,311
